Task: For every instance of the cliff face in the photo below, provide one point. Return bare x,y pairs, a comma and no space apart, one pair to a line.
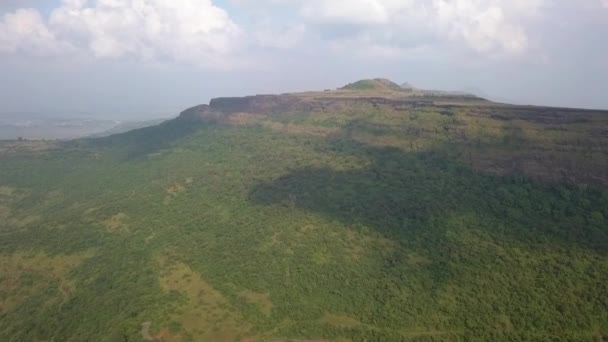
374,92
260,104
200,113
222,108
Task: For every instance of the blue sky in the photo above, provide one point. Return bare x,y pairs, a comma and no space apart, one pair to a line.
142,58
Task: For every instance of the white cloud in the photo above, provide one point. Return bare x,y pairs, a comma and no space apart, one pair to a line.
25,30
266,36
483,25
192,31
487,26
346,11
199,32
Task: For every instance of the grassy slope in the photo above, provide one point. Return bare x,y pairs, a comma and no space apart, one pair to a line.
374,85
360,222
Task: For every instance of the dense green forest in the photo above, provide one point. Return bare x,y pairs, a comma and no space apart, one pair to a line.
357,220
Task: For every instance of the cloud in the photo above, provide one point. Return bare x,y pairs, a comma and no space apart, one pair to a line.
346,11
494,27
282,38
486,26
191,31
202,33
25,30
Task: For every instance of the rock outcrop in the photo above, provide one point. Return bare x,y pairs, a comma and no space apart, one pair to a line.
223,107
260,104
200,113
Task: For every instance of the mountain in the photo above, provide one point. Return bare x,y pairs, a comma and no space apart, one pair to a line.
354,214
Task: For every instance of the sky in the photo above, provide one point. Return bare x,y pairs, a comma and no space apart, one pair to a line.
124,59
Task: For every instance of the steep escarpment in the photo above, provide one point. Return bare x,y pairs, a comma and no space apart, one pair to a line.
200,112
494,138
367,92
259,104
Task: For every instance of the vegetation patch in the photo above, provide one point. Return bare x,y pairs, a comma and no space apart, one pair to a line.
415,259
5,212
175,189
14,222
245,118
207,315
118,223
11,194
378,84
340,321
261,300
359,245
36,147
23,275
7,191
10,197
91,211
300,129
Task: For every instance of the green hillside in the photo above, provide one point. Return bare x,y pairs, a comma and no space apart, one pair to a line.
378,84
312,217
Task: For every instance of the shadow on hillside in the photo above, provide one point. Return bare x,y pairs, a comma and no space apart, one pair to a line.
420,196
141,143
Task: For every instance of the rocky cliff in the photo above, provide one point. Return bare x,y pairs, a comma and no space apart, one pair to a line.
390,95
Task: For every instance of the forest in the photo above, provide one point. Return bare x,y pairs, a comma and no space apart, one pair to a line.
352,221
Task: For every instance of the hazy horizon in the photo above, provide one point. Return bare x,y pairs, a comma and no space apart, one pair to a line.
141,59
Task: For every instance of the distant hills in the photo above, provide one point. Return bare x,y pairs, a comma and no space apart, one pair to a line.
36,127
126,126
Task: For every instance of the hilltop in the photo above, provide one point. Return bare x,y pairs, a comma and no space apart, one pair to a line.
385,87
363,214
377,84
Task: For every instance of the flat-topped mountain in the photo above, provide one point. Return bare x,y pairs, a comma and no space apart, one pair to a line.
373,212
376,91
